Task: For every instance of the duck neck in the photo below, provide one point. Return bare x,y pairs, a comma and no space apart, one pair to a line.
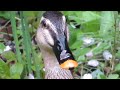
52,67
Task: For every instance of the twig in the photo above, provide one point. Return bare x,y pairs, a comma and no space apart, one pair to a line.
4,25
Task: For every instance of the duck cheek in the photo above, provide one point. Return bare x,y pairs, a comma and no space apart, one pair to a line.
43,38
48,38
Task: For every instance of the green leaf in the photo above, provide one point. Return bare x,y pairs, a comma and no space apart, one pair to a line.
73,35
117,67
5,14
99,49
97,73
113,76
80,51
31,15
38,60
118,54
77,44
4,70
92,26
101,76
102,64
9,55
81,59
107,22
88,16
82,16
2,47
16,70
15,76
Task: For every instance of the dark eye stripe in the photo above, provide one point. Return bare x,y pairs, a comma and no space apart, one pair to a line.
44,24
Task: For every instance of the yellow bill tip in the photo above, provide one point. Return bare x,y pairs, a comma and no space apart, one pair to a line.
69,64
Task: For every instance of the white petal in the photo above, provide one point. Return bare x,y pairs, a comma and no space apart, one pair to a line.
30,76
93,63
87,76
107,55
88,41
89,54
43,69
7,48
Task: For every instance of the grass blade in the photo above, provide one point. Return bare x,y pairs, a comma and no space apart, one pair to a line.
13,23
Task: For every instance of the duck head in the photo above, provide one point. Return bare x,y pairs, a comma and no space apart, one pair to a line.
55,35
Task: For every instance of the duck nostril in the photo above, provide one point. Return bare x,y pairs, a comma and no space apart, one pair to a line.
64,55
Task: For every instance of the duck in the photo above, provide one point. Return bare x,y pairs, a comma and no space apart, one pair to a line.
52,37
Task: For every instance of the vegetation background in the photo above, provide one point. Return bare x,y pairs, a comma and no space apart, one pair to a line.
94,41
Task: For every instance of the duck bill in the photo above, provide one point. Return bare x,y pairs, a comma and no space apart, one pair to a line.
63,53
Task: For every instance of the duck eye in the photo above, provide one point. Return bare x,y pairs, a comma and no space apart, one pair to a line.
44,23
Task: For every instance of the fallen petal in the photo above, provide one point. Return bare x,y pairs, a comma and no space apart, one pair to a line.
87,76
107,55
93,63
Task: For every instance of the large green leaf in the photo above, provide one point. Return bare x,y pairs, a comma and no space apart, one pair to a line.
91,26
88,16
101,76
9,55
117,67
4,70
76,45
33,18
97,73
73,35
99,49
80,52
82,16
2,47
81,58
113,76
5,14
107,22
118,54
16,70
